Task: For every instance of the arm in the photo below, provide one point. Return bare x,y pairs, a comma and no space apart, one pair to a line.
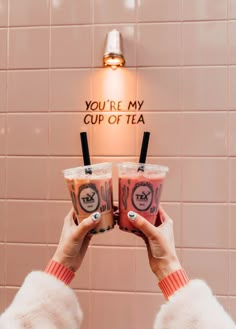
45,300
190,304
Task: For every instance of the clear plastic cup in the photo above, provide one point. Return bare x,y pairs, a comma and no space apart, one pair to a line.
90,188
140,187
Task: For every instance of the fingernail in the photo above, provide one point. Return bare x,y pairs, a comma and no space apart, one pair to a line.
132,215
96,216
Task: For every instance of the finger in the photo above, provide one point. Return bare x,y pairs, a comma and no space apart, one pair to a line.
86,225
143,225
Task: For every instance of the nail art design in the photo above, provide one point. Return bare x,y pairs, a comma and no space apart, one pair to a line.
132,215
96,216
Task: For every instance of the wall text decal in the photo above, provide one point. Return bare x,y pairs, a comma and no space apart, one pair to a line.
113,106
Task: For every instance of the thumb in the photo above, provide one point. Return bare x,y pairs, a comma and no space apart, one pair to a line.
142,224
86,226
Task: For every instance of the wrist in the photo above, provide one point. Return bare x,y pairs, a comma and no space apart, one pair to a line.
166,267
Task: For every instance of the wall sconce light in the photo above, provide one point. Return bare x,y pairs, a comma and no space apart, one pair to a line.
113,55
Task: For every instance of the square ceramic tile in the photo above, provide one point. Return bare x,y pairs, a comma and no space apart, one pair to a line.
116,11
84,298
3,91
71,12
28,13
232,42
208,265
165,138
232,8
232,180
232,225
71,46
159,88
4,13
3,220
3,48
68,143
232,133
70,89
3,259
113,134
57,185
29,48
119,310
159,10
145,280
57,211
27,178
205,88
204,9
205,226
26,214
152,303
232,273
2,134
212,141
158,52
110,261
200,45
27,134
204,180
28,91
113,90
232,86
2,177
25,258
128,39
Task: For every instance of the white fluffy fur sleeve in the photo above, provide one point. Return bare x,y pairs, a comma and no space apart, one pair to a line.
43,302
193,307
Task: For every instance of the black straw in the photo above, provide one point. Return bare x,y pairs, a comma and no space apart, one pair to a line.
144,148
85,151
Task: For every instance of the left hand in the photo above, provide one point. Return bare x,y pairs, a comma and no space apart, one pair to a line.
74,241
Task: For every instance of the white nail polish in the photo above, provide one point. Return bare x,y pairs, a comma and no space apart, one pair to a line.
96,216
132,215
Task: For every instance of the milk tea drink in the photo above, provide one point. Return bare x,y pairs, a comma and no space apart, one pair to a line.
90,188
140,187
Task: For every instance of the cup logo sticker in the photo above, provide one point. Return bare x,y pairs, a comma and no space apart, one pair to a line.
142,196
88,197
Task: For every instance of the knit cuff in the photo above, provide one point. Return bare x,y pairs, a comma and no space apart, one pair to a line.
60,271
173,282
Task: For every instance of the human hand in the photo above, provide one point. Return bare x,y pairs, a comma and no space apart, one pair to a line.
160,243
74,240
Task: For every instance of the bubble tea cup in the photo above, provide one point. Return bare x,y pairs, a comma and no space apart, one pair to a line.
140,187
90,189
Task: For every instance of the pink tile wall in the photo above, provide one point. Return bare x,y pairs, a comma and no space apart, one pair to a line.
181,61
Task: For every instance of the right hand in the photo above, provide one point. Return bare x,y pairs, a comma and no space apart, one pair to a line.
160,243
